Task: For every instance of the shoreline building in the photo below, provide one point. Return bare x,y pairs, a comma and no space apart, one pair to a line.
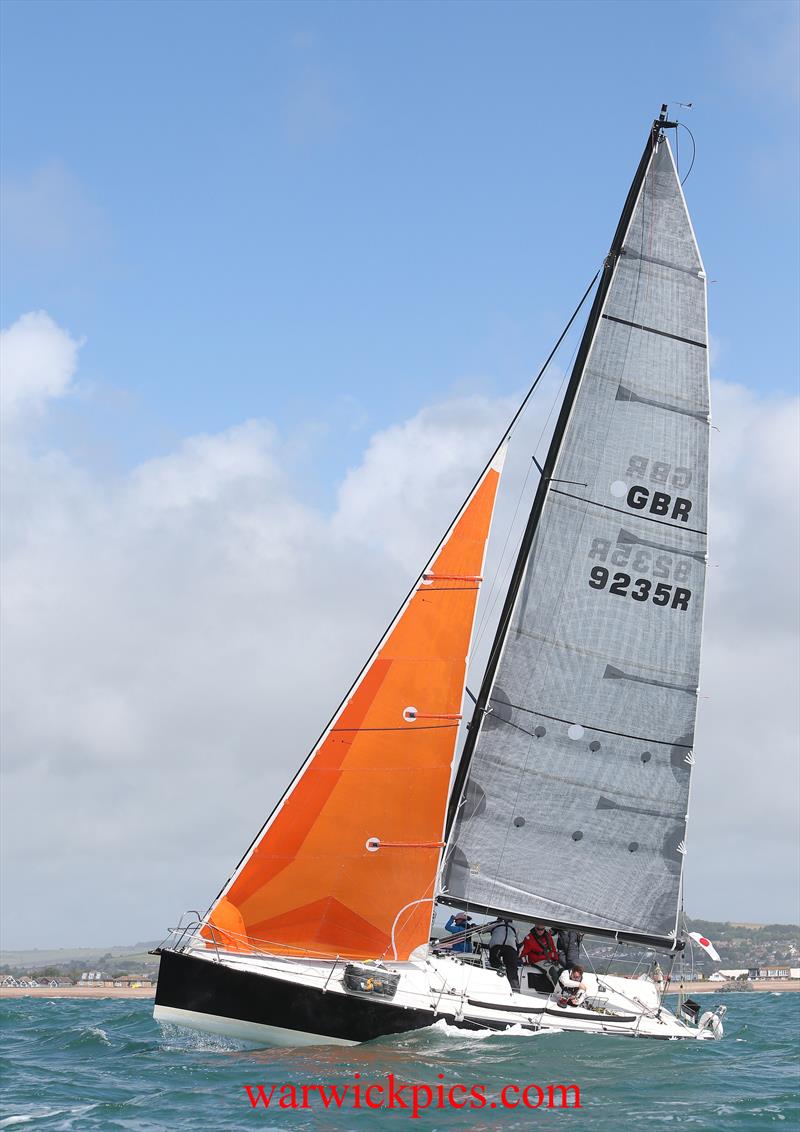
773,973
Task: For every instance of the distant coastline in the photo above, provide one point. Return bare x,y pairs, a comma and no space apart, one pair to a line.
77,992
703,987
768,953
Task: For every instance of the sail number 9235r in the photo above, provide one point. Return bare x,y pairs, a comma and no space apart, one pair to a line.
642,589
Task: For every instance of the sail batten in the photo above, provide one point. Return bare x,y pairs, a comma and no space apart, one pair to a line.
571,802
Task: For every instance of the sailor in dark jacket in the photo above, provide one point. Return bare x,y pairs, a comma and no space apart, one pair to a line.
569,948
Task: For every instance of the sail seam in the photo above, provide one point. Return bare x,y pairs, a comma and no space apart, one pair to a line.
634,254
652,330
578,650
409,728
447,589
645,392
628,514
593,788
587,726
626,538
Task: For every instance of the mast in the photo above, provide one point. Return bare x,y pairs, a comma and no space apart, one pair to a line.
609,267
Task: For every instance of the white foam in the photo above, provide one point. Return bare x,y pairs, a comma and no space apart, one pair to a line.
8,1121
183,1038
518,1031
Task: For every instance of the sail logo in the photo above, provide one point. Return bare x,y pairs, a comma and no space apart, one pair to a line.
676,597
660,503
642,556
660,472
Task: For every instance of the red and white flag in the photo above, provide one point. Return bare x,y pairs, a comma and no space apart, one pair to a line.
706,945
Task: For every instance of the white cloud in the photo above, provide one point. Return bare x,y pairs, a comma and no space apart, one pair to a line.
37,361
391,497
743,836
175,638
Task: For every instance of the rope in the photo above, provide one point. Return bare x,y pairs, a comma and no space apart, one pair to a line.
495,591
694,152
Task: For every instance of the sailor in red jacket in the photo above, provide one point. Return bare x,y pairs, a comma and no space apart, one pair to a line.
538,946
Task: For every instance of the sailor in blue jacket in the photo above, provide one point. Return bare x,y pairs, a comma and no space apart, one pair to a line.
459,923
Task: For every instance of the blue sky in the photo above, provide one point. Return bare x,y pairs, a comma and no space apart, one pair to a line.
296,264
334,213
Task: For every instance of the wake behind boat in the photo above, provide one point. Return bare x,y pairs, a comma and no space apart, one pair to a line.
568,805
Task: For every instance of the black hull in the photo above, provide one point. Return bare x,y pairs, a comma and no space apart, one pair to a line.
200,986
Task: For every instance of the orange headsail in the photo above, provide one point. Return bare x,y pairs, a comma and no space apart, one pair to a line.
346,865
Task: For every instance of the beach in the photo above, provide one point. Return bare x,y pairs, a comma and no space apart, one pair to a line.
778,985
706,987
77,992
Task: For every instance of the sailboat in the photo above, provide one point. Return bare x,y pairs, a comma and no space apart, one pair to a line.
567,804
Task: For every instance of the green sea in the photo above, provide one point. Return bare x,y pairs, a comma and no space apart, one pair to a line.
105,1064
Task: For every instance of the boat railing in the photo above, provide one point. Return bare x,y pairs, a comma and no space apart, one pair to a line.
189,927
641,1007
179,937
194,929
230,942
330,974
195,932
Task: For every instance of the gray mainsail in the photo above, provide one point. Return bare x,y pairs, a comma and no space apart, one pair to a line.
570,805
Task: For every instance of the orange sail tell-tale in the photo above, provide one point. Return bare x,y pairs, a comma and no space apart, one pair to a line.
346,865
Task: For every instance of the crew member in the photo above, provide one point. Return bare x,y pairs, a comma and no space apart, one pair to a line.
572,987
457,923
504,951
538,946
569,947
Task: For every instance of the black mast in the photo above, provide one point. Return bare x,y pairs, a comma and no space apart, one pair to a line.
609,266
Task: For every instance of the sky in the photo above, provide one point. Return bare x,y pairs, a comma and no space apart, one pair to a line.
274,277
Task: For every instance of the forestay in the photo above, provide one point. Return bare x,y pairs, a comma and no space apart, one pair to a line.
575,804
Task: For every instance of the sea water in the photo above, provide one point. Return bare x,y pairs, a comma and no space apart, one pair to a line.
105,1064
